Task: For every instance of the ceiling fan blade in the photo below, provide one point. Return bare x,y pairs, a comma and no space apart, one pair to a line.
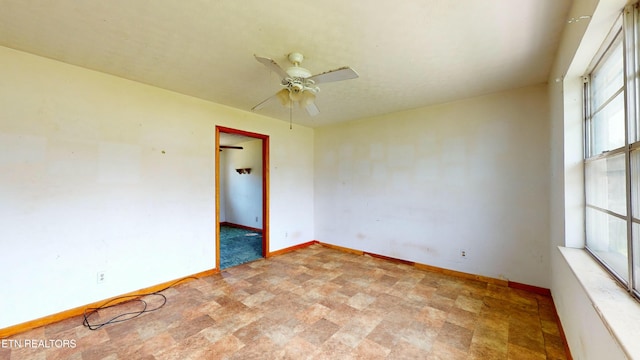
343,73
312,109
308,101
262,103
272,65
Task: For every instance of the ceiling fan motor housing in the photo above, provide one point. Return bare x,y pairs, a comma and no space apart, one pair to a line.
298,72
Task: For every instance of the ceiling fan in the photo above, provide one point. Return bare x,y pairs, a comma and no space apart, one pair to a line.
299,86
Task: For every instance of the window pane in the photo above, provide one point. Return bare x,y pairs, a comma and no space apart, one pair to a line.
608,77
608,126
636,255
635,183
607,238
605,184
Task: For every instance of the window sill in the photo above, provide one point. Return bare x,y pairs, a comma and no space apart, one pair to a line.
619,312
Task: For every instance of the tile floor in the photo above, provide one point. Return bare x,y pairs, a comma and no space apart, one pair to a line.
318,303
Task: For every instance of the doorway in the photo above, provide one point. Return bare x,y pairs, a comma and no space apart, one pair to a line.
242,201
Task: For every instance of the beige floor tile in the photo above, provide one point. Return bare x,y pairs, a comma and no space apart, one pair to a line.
318,303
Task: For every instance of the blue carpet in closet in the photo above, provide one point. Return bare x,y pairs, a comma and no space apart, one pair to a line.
239,246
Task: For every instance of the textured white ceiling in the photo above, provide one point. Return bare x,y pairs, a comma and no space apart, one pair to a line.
409,54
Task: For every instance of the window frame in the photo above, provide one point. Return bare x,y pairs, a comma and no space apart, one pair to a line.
624,31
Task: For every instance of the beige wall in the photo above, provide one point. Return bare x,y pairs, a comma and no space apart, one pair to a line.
421,185
241,194
98,173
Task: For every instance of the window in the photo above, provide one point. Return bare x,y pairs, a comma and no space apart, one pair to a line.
612,154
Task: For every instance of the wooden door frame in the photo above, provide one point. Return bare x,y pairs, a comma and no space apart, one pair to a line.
265,187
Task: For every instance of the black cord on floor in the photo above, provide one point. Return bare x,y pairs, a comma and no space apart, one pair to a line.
128,315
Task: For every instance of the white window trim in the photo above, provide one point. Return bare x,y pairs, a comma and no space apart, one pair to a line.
620,313
602,299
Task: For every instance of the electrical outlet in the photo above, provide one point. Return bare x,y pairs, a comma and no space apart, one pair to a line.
464,254
100,277
256,219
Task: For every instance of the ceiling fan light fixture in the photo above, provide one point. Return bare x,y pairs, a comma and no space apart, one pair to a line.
283,96
296,87
296,96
